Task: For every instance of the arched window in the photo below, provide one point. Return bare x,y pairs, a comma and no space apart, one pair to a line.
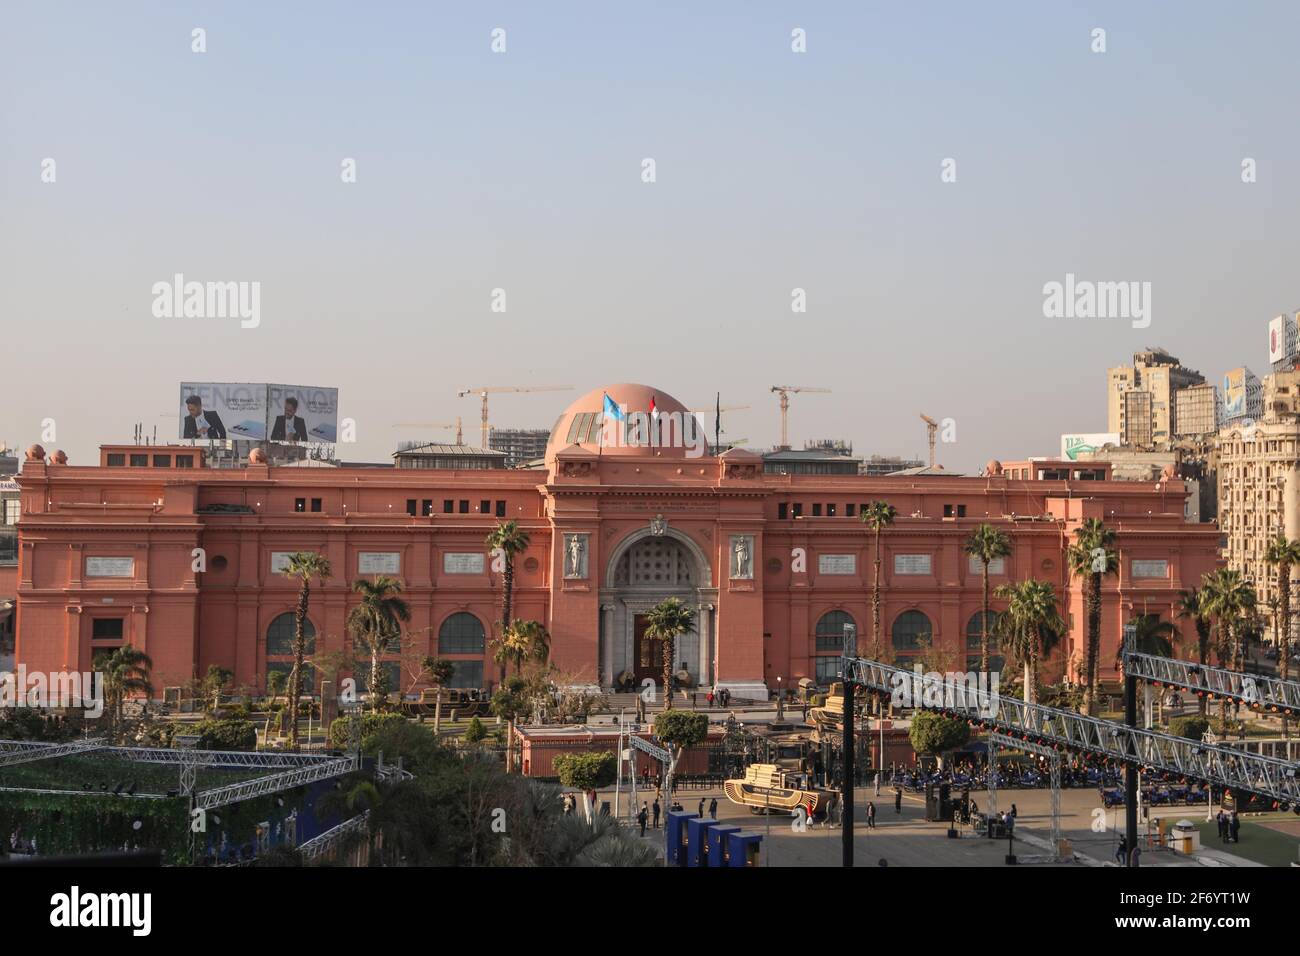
462,633
909,628
279,636
830,630
975,634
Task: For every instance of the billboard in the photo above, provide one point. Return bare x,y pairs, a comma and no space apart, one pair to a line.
223,410
302,413
1277,339
1234,393
1072,445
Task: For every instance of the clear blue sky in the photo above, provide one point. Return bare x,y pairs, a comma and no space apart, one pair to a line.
522,171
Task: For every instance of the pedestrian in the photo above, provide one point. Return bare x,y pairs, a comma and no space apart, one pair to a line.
1222,820
642,816
1121,851
656,813
701,808
1135,858
898,799
1013,810
871,815
1235,827
709,698
713,809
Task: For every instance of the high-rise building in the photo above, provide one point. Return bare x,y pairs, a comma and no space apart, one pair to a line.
1243,396
1152,421
1198,411
521,445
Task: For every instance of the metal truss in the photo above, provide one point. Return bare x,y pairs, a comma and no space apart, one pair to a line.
326,843
272,783
25,751
1050,727
659,753
1054,764
1254,690
254,759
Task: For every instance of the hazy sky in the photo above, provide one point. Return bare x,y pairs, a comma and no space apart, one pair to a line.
523,171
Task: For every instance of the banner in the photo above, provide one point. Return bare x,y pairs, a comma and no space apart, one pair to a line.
221,411
302,413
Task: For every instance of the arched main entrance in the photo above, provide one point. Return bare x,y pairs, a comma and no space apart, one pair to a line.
645,569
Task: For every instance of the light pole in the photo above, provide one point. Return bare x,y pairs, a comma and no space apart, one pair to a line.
846,786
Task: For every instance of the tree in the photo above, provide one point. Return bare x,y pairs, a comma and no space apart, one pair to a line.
303,566
377,622
986,543
877,515
1283,554
275,684
512,702
440,671
680,730
127,672
1230,600
474,731
512,541
587,772
522,641
1030,626
1085,560
934,734
668,620
1192,604
213,683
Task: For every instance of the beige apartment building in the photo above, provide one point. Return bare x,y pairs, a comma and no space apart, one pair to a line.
1259,487
1141,401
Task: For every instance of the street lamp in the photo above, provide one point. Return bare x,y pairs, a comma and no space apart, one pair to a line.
780,701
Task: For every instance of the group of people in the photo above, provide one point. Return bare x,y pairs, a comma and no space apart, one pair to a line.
20,844
1229,827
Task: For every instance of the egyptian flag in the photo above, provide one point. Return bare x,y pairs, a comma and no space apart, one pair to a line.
654,421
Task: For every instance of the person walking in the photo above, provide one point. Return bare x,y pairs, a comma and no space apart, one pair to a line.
656,813
871,815
898,799
1222,820
1121,851
642,816
713,809
701,808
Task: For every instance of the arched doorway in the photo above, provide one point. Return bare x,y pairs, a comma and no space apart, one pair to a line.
644,570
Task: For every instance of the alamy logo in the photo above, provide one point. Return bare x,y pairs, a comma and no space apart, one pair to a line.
23,688
179,299
973,692
653,429
74,909
1083,299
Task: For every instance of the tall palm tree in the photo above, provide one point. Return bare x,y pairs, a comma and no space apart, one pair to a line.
667,621
302,565
376,621
1030,626
1154,637
1283,553
987,543
1230,600
1192,604
877,515
512,541
1091,536
523,641
127,672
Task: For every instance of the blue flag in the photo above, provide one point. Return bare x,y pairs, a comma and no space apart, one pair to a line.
612,410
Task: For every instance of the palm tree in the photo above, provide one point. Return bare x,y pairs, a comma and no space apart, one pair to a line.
376,621
1030,626
987,543
512,541
1154,637
1283,553
1192,604
127,672
523,641
303,565
877,515
1090,537
1230,599
667,621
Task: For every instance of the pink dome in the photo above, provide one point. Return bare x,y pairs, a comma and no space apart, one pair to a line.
580,423
993,467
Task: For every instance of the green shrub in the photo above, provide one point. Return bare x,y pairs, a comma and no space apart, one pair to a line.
1191,726
590,771
475,731
371,724
933,733
226,735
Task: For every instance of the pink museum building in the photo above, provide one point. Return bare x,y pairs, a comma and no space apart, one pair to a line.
153,548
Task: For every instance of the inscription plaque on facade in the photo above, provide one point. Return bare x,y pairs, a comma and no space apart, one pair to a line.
837,564
379,562
463,562
110,567
911,564
1150,569
996,566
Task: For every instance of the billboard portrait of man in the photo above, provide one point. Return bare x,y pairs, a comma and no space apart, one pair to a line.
200,423
290,425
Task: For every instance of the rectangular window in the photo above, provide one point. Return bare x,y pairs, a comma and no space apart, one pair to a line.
947,511
13,508
410,507
464,507
299,504
961,511
817,510
139,461
485,507
116,461
162,461
848,510
184,461
828,669
501,509
782,511
426,507
106,629
798,510
467,675
315,504
448,506
830,511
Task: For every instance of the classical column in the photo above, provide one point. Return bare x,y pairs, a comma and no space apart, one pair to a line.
607,645
704,656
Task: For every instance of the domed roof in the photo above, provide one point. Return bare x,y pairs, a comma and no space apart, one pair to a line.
580,424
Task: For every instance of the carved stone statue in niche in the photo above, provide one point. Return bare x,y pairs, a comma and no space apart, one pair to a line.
575,556
742,557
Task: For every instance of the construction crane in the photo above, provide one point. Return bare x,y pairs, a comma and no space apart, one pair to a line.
784,391
484,392
932,427
460,435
